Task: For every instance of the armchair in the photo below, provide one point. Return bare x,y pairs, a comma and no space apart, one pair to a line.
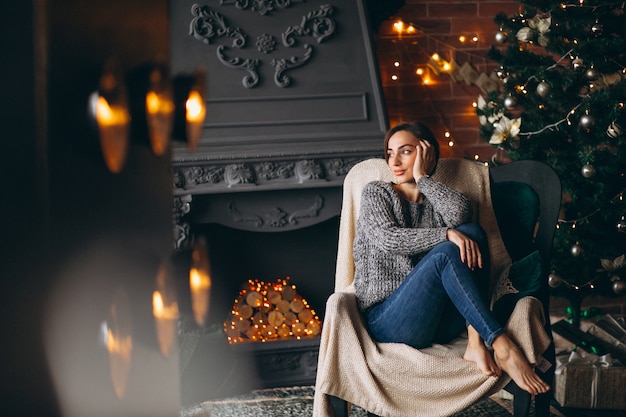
391,379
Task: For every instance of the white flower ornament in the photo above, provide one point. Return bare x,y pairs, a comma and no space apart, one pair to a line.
484,120
539,24
505,128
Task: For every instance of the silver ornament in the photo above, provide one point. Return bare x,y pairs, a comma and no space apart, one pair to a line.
621,224
510,102
588,171
597,29
543,89
554,280
578,63
586,121
591,74
501,36
577,250
614,130
619,287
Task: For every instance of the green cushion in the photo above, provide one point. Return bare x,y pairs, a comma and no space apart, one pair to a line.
516,206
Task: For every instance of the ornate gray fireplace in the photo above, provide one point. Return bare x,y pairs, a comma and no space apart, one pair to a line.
293,102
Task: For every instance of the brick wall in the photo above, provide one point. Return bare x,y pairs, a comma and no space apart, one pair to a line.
445,104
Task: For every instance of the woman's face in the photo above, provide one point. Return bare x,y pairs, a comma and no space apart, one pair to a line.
401,155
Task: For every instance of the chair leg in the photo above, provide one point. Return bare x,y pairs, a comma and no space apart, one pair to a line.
521,400
339,406
542,405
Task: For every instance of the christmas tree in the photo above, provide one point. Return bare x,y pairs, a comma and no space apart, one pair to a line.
561,101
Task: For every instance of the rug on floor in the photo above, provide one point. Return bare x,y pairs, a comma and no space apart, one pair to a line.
298,402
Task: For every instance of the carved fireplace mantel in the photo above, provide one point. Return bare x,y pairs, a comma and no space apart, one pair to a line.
293,101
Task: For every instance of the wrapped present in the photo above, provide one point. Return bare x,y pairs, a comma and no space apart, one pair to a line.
589,381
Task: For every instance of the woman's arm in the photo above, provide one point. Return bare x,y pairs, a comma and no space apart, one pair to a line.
453,207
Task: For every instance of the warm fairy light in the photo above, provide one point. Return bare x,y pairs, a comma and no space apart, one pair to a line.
447,134
419,71
410,29
399,26
451,143
475,39
462,38
476,157
426,80
435,56
396,64
394,77
474,104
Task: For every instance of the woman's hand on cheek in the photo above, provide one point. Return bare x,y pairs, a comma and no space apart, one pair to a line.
419,168
424,160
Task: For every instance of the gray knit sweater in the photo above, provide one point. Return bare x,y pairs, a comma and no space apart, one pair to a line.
393,234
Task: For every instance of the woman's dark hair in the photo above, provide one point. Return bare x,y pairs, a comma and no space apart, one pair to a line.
417,129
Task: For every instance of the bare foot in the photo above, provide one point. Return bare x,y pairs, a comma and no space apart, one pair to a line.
477,352
513,362
483,359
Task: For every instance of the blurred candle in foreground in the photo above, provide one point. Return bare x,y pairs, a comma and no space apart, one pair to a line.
194,114
113,127
160,117
200,282
165,316
119,342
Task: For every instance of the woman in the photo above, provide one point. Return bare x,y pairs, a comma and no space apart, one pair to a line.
419,262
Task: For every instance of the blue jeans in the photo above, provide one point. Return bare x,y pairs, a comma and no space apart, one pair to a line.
438,298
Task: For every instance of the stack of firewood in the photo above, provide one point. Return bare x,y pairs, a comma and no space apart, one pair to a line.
270,311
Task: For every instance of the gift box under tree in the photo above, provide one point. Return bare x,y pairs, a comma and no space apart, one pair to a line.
590,381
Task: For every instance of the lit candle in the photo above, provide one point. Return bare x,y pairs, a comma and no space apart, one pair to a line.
200,286
160,117
165,319
195,115
113,126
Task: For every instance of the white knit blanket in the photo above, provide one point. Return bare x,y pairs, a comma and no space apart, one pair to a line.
393,379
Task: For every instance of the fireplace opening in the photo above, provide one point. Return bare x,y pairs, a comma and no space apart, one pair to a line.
307,256
213,368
